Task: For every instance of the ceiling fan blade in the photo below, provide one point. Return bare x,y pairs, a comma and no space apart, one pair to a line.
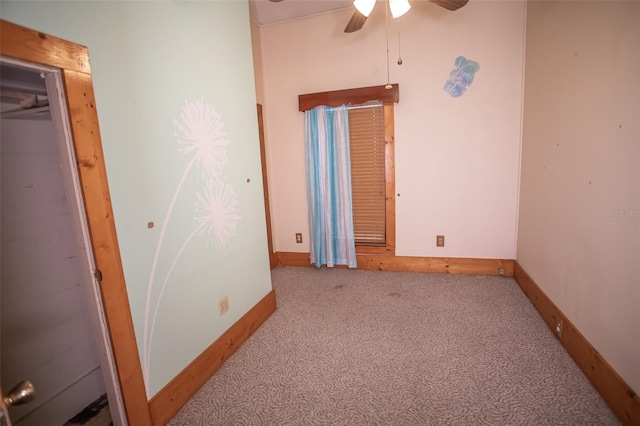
356,22
450,4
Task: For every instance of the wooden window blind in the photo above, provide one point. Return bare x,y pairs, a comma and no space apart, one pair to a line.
367,150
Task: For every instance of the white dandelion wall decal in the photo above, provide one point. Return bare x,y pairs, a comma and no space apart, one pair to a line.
201,131
201,134
219,217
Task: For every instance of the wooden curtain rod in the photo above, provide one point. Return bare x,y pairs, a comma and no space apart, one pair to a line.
353,96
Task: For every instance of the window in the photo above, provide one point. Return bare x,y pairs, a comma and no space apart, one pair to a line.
371,134
366,138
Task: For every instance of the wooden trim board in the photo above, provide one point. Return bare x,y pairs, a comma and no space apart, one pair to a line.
265,187
166,403
624,402
287,258
17,41
442,265
354,96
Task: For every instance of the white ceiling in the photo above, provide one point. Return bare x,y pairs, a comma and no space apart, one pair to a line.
265,12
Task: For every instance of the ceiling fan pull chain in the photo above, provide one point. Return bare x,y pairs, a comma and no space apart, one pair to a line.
386,19
399,53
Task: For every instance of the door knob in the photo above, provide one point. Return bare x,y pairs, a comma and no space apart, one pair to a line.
22,393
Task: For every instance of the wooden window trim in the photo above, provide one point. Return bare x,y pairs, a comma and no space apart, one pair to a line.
349,96
360,96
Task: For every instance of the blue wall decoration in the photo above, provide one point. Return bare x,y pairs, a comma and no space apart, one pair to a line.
461,77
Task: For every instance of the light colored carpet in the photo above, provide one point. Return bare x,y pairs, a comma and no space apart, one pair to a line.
350,347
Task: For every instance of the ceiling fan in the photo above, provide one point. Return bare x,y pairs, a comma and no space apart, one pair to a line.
397,8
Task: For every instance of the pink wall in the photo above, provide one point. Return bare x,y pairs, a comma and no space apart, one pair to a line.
457,159
579,226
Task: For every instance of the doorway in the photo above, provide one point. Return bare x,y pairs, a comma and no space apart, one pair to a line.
71,60
50,313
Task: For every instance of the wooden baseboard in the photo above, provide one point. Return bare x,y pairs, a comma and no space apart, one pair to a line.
443,265
287,258
166,403
273,260
624,402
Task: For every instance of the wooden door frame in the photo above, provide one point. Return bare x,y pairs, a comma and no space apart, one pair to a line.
273,262
73,61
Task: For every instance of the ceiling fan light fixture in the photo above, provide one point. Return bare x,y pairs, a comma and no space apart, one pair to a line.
364,6
399,7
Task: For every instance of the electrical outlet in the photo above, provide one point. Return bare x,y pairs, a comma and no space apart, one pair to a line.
559,326
223,305
439,240
298,237
501,271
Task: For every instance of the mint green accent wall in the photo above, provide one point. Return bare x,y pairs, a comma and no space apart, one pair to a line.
147,60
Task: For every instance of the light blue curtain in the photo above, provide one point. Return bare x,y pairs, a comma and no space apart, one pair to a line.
329,186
